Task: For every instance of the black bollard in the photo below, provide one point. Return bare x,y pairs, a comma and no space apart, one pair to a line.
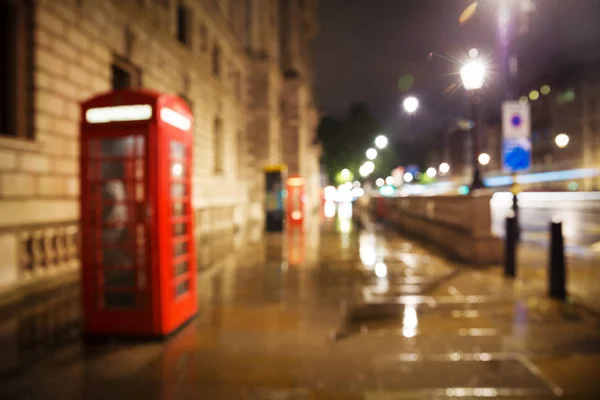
510,247
557,273
515,208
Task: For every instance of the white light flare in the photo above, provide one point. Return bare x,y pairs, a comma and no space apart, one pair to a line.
411,104
381,142
444,168
472,74
371,154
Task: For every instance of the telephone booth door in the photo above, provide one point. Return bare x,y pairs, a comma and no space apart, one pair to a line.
176,226
295,195
116,261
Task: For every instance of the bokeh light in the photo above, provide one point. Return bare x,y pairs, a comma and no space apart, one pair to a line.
405,82
444,168
545,90
381,141
523,100
450,88
411,104
534,95
484,159
562,140
468,13
371,154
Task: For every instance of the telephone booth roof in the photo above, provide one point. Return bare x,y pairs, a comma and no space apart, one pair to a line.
131,107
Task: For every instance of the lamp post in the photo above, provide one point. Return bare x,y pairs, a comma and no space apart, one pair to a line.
381,141
472,75
410,104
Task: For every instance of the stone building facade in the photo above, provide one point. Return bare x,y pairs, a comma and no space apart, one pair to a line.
244,66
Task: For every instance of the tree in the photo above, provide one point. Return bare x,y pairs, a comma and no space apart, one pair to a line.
345,141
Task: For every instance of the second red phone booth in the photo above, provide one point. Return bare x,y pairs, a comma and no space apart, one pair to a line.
138,259
295,200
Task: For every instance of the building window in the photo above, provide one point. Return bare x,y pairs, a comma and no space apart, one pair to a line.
124,75
183,24
218,146
203,38
16,43
237,84
216,61
241,143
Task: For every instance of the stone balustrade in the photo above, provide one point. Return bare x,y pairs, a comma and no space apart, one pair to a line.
460,225
48,248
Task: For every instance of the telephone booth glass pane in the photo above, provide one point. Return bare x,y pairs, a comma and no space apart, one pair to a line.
118,225
295,198
181,235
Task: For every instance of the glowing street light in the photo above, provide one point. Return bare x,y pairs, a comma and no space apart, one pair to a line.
411,104
444,168
381,141
472,74
431,172
345,173
562,140
408,177
379,182
484,159
371,154
389,180
366,169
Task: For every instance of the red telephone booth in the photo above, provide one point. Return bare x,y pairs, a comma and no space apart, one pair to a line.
295,200
138,259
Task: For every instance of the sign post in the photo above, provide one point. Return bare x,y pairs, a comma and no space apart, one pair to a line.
516,146
516,134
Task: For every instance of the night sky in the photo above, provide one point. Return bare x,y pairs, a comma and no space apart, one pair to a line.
365,46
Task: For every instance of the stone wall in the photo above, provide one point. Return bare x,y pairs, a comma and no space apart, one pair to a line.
460,225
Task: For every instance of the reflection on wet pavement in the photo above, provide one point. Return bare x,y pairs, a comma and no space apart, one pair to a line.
328,312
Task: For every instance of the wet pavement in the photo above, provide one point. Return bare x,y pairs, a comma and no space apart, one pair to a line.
335,312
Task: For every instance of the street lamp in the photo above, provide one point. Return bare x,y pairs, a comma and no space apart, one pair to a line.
444,168
562,140
379,182
411,104
371,154
431,172
381,141
472,75
484,159
408,177
366,169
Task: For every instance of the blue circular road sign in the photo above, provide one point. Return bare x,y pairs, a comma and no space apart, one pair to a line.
516,120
